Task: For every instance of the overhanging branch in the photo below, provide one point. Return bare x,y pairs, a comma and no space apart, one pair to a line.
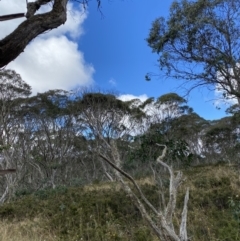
11,16
15,43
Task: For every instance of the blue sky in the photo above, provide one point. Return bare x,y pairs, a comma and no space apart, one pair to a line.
116,46
109,52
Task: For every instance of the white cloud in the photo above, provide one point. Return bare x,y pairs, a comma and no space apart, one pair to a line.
223,98
128,97
112,82
220,101
53,63
52,60
10,7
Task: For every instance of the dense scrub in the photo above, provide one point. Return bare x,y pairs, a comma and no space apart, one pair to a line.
103,212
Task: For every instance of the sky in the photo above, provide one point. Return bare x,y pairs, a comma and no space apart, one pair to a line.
104,50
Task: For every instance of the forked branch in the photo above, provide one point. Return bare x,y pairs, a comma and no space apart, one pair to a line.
160,221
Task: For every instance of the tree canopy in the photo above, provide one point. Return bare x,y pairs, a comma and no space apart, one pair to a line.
200,42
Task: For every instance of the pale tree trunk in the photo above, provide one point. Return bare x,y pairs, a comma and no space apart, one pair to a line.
4,195
12,170
52,179
159,220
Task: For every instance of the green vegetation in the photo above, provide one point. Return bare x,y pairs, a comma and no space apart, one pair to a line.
65,147
199,42
103,212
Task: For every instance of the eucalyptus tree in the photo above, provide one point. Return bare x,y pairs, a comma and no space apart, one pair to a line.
50,128
13,94
199,42
159,218
12,91
191,128
166,107
172,106
161,128
103,118
221,140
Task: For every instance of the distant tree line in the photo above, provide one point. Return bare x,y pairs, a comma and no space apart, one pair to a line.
54,138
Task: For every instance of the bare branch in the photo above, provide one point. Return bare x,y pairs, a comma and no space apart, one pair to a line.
32,7
7,171
132,180
163,152
15,43
11,16
175,182
161,223
183,226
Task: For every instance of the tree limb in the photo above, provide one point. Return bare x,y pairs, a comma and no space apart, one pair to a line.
6,171
11,16
183,226
15,43
132,180
162,222
173,187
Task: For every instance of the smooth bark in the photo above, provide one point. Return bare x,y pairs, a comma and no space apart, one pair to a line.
160,221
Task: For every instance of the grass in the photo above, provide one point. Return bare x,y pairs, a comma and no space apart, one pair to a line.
25,230
103,212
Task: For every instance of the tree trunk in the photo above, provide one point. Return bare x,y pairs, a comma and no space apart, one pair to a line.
160,221
15,43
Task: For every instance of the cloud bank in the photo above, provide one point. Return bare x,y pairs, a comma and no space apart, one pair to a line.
52,60
127,97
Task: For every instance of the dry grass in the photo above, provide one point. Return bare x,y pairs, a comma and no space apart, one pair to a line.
27,230
101,212
213,172
117,186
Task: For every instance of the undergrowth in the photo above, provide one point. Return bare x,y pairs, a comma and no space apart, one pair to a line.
107,214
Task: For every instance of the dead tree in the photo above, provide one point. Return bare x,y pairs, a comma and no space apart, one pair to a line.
161,221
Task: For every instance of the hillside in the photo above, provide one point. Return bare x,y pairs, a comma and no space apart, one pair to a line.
102,211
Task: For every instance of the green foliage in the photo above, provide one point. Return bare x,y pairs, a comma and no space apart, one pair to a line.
61,142
171,98
5,147
234,204
12,86
77,214
51,104
23,192
234,109
199,42
106,213
147,152
45,193
222,139
209,204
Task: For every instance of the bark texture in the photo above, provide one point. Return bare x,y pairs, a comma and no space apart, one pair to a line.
15,43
